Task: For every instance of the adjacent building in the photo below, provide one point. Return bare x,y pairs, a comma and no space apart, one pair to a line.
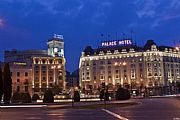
34,71
121,62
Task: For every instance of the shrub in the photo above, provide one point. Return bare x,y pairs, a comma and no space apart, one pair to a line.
35,97
48,97
106,95
26,98
122,94
101,95
76,96
16,98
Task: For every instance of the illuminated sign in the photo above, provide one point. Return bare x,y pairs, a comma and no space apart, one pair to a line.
19,63
58,36
116,43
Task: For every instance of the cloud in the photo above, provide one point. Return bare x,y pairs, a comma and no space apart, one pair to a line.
157,11
146,8
100,14
97,10
171,11
175,4
1,22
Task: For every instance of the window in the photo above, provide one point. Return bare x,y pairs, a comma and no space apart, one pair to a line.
117,76
43,67
44,85
18,80
140,64
87,73
60,77
60,61
155,64
109,62
36,67
87,63
117,71
18,74
101,67
50,84
44,78
101,62
43,61
26,74
26,88
50,61
94,63
18,88
36,61
101,77
36,79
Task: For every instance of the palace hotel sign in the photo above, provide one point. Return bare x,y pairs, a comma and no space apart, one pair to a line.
116,43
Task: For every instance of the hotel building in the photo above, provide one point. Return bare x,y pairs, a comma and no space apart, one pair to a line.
124,63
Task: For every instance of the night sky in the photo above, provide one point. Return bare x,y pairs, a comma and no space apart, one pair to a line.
27,24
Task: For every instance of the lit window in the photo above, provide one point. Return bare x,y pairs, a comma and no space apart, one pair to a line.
115,64
124,63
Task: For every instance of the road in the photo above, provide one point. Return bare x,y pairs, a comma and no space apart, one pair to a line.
151,109
148,109
53,114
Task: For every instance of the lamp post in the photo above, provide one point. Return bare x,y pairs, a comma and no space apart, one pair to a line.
72,92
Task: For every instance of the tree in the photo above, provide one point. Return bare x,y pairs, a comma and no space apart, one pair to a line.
48,97
178,86
16,98
101,95
35,97
88,50
122,94
1,85
26,98
76,96
56,90
7,83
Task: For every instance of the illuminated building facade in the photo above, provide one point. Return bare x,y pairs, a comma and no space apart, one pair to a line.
21,77
41,69
48,72
128,65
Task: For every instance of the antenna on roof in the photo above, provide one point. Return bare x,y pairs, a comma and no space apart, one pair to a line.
116,36
124,35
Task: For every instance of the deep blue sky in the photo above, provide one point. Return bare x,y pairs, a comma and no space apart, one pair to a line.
27,24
